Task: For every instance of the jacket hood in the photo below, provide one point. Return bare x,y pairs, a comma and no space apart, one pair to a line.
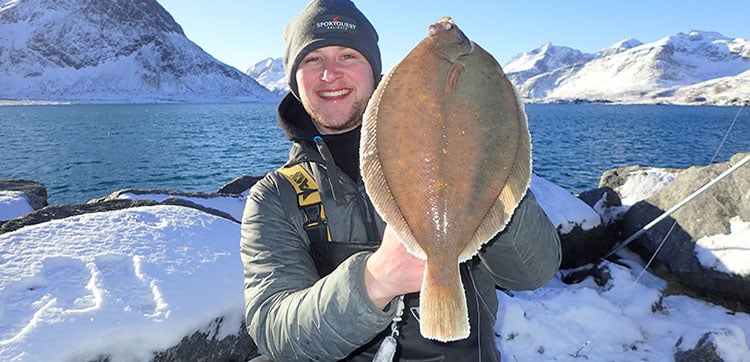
294,120
299,128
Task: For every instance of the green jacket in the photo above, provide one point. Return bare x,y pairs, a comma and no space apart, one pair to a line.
294,314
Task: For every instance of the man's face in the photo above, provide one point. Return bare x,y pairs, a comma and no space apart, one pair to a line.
334,85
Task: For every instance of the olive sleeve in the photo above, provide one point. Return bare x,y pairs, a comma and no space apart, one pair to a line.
526,254
291,312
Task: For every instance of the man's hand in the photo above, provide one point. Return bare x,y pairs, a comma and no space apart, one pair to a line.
392,271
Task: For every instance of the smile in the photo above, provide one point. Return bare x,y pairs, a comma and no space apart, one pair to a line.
336,93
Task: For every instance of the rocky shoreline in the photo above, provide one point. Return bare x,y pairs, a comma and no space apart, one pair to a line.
711,213
676,261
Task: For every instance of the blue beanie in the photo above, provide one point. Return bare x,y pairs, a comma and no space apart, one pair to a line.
329,22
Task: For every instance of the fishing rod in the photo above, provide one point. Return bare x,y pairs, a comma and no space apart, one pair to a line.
680,204
656,221
640,232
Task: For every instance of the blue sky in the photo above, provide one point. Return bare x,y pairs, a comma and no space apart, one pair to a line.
243,32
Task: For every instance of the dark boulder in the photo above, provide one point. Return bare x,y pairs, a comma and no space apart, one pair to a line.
584,238
581,247
35,192
240,185
205,346
55,212
172,197
606,202
112,202
707,215
618,177
705,350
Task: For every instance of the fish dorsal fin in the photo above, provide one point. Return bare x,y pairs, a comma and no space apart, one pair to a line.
502,209
372,171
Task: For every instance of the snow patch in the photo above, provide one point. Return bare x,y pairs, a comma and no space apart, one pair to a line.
727,253
640,185
13,204
564,210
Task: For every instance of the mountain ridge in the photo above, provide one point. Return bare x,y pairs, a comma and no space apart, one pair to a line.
634,72
133,51
118,51
696,68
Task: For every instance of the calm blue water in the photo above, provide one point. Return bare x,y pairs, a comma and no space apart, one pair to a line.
82,152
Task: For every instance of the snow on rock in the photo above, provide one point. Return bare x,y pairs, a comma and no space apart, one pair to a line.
621,315
76,288
232,205
71,281
714,268
564,210
130,282
642,183
13,204
727,253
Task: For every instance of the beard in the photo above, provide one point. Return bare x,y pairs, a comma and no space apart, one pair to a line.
353,119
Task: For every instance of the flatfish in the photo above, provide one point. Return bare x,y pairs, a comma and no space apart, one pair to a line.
446,158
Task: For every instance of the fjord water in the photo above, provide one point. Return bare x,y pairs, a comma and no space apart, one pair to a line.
86,151
82,152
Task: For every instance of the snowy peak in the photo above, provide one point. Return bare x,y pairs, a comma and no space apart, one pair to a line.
133,14
632,72
544,59
119,51
54,26
710,46
619,47
270,73
266,66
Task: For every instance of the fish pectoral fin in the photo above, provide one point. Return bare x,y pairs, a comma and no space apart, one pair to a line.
454,72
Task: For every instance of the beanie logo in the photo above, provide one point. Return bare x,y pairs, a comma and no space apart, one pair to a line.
334,22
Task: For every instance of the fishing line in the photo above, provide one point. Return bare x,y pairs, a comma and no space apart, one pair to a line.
624,296
664,240
726,134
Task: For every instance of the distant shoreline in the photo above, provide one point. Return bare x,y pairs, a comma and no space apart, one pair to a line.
740,103
29,102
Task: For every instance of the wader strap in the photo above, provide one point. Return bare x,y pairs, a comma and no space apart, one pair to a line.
309,202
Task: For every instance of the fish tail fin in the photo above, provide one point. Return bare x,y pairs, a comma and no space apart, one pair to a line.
442,306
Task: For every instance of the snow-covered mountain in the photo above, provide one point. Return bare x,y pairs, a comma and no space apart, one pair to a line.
542,60
270,73
114,51
699,67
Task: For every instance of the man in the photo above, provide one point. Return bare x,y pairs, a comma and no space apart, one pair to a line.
323,281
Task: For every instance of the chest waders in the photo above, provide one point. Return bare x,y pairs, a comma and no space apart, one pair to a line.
327,255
